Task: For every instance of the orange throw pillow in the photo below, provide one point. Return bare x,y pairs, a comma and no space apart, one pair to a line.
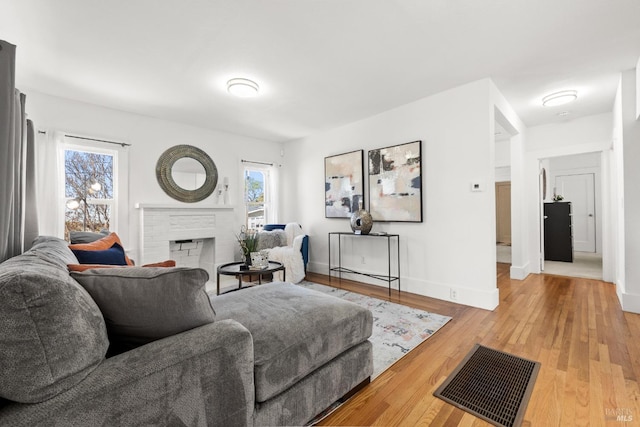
167,263
101,245
83,267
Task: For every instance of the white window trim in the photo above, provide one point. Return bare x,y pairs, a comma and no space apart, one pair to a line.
119,203
269,191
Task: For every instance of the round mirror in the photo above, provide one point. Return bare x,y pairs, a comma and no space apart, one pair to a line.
186,173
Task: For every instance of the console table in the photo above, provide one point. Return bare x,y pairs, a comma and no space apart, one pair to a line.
340,269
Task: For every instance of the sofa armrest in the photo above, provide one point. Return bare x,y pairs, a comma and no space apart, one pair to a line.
203,376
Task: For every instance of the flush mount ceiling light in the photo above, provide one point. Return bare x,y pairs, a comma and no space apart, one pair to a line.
244,88
559,98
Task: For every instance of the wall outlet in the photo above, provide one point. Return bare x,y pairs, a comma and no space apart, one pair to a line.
454,294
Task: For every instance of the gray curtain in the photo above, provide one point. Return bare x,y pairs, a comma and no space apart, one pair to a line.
13,158
30,205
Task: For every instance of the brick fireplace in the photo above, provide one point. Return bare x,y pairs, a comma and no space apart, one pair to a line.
193,236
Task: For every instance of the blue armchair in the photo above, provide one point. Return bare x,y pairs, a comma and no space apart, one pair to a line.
305,242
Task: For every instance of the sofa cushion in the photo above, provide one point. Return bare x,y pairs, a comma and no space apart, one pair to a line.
271,239
86,236
143,304
52,333
53,250
295,330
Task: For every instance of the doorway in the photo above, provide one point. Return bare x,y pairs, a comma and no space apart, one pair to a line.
503,213
503,222
576,179
503,134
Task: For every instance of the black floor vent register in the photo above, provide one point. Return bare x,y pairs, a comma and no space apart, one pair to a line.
492,385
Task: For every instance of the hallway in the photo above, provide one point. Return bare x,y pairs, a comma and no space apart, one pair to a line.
585,264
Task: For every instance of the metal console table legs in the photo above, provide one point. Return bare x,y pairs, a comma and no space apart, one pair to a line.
340,269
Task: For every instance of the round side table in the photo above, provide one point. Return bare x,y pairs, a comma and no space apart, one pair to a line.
234,269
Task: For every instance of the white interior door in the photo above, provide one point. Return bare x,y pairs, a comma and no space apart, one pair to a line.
579,189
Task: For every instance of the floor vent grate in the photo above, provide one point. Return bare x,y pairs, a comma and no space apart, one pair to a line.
492,385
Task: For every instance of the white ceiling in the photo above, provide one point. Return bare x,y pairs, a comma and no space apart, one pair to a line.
320,63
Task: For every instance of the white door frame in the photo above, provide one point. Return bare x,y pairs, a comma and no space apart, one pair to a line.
542,185
533,161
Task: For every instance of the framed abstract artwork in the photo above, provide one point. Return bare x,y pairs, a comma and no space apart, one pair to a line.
343,184
395,183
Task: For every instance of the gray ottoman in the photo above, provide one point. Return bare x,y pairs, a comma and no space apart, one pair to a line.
296,331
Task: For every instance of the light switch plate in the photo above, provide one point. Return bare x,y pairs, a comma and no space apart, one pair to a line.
477,186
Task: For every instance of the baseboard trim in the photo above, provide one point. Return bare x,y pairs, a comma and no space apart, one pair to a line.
487,299
630,303
519,273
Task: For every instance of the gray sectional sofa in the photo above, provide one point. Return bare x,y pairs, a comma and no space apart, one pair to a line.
275,354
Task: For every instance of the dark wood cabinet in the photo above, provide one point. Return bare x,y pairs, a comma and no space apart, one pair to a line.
558,233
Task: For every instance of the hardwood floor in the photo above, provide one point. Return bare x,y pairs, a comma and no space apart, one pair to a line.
588,347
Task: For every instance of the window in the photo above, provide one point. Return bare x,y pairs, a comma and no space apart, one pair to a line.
90,188
256,196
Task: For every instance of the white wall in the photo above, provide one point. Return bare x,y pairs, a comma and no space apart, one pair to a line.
565,136
503,153
149,138
589,134
503,161
454,248
638,90
503,174
615,157
631,197
502,113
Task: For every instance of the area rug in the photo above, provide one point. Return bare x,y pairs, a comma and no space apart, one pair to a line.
492,385
397,329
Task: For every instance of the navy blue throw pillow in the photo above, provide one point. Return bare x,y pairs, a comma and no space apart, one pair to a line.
112,256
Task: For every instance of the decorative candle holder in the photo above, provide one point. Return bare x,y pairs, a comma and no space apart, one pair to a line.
225,182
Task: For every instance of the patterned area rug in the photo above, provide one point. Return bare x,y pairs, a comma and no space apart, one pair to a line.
397,329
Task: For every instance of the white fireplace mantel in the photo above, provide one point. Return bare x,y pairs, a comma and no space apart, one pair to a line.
181,206
161,224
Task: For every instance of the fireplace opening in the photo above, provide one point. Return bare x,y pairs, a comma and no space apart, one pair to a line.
194,253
